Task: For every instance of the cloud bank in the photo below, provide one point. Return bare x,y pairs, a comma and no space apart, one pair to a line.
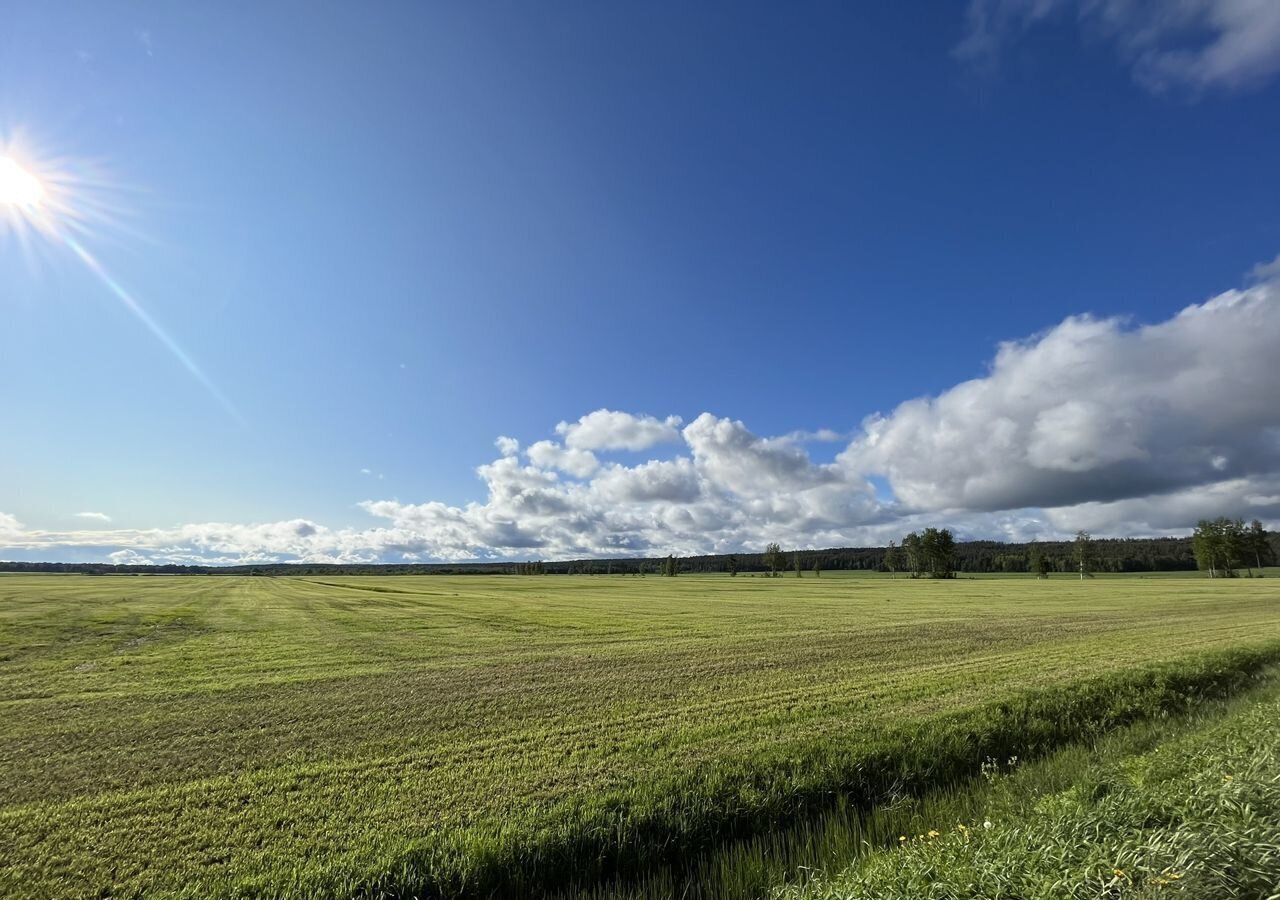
1095,423
1168,44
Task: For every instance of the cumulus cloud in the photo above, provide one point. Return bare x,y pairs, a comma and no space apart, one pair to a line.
1101,424
1093,410
1267,271
95,516
1194,44
10,528
606,429
574,461
507,446
129,558
1162,513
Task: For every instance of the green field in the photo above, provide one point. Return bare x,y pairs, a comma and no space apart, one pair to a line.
227,736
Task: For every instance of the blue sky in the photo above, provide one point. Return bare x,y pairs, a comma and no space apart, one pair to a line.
390,234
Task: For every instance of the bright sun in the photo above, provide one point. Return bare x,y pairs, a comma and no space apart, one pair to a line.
18,187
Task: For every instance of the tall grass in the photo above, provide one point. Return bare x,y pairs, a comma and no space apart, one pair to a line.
1197,815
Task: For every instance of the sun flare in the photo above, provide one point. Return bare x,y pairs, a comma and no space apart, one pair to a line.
18,187
50,203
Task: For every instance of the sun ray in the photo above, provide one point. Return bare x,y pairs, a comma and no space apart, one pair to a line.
91,262
42,203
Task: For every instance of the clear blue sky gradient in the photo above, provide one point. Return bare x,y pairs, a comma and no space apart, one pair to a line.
391,232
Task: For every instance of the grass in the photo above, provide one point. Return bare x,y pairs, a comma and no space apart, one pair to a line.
473,735
1163,809
871,849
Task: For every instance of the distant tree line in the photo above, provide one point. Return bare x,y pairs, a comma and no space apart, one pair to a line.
942,555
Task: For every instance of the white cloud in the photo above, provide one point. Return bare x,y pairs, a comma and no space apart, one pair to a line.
507,446
129,558
1196,44
1174,511
550,455
606,429
1095,411
95,516
10,528
1093,424
673,480
822,435
1267,271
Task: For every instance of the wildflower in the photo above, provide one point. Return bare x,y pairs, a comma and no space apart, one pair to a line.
1173,876
987,824
1119,873
1227,778
932,834
902,839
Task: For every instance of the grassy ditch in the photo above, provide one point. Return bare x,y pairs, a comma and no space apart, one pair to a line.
1188,810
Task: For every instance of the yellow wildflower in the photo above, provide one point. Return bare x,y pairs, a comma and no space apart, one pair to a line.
1119,873
933,834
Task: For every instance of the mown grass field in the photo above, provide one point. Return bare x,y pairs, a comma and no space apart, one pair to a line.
333,737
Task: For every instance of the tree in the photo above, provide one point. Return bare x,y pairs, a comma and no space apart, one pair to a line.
915,554
1037,562
817,568
1220,544
773,559
670,567
795,561
1084,554
945,554
733,566
891,559
1202,540
1235,537
938,547
1258,544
